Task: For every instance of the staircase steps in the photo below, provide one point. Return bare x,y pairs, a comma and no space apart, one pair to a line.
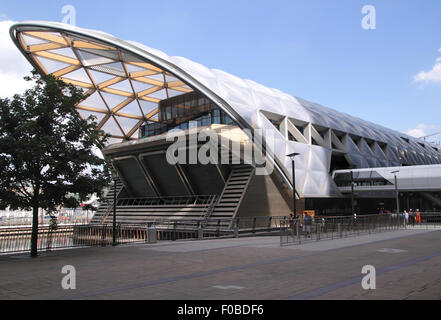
107,205
232,195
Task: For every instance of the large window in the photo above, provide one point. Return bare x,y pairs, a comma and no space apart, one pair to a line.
179,111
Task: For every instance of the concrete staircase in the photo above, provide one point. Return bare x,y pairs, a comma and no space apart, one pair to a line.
232,195
107,206
143,210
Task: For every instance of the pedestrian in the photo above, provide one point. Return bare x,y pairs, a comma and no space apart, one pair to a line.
307,224
291,224
411,218
418,216
406,218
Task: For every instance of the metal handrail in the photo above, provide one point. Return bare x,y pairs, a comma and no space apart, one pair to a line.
166,200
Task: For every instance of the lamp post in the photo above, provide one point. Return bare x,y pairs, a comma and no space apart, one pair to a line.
396,190
294,208
352,192
114,178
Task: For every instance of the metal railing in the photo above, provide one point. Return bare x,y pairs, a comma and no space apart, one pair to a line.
296,232
174,200
18,239
68,236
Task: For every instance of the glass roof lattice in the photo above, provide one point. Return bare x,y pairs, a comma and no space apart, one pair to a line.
123,90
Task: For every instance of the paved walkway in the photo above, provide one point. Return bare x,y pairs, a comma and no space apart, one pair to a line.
406,261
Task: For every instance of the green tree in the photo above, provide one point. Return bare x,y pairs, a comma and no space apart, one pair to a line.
46,150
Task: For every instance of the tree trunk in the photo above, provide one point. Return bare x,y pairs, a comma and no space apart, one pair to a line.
34,236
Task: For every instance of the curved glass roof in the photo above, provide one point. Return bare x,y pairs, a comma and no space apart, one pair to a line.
123,90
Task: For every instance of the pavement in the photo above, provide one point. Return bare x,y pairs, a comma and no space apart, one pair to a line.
406,266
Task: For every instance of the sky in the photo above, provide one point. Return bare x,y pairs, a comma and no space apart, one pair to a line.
317,49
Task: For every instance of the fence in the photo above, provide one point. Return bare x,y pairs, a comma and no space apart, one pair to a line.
67,236
294,232
18,239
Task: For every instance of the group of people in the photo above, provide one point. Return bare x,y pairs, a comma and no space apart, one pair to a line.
412,217
307,224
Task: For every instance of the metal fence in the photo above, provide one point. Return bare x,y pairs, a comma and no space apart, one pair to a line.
68,236
18,239
296,232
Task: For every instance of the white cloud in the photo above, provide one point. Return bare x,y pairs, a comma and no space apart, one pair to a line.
13,66
433,75
422,130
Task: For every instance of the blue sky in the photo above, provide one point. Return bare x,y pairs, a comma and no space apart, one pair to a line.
313,49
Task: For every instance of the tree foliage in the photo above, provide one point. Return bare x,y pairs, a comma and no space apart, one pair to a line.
46,149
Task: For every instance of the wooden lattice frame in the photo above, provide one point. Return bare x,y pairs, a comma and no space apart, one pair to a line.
42,48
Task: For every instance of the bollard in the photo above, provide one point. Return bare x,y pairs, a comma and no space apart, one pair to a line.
298,232
174,232
152,236
200,232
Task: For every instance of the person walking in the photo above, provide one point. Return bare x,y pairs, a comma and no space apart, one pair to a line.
307,223
418,216
411,218
406,218
291,224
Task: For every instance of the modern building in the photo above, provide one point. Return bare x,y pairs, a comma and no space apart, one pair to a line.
139,95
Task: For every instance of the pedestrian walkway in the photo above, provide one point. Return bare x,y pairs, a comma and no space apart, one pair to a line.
238,268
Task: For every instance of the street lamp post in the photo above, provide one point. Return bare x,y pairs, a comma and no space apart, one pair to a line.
292,156
396,190
352,192
114,178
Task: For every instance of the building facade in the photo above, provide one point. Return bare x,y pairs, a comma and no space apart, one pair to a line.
139,95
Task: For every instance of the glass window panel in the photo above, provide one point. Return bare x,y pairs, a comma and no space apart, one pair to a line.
173,93
28,40
112,99
170,78
157,77
85,114
89,59
140,86
133,68
111,127
127,124
67,52
109,54
51,65
94,100
131,108
79,75
148,106
112,68
123,86
161,94
100,77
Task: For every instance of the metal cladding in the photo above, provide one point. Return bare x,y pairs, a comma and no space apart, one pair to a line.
138,77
